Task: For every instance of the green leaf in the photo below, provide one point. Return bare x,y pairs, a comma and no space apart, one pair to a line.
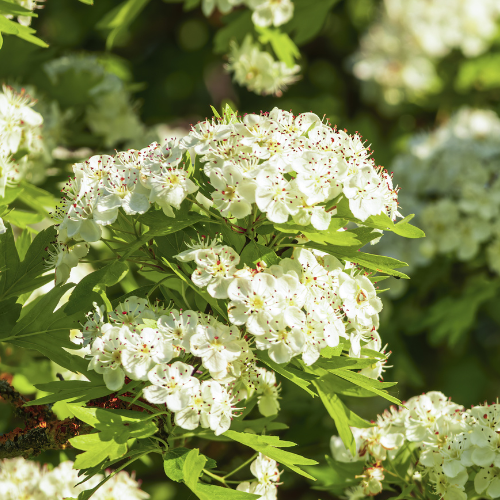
21,219
239,23
15,9
308,19
281,43
116,428
38,199
160,225
367,383
173,463
83,295
343,417
299,378
120,18
88,2
19,277
9,314
23,243
254,253
74,390
451,317
403,228
270,446
378,263
258,425
10,195
479,73
96,450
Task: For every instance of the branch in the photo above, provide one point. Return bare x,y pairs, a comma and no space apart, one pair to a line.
32,415
46,436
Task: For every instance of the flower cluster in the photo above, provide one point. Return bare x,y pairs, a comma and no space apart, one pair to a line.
286,166
297,307
20,136
257,69
267,473
110,114
457,449
401,49
265,12
20,478
449,178
139,341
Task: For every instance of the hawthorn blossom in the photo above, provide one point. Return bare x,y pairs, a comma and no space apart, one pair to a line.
217,346
141,351
172,385
106,352
254,302
215,270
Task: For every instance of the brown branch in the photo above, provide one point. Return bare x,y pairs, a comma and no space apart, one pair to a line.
46,436
32,415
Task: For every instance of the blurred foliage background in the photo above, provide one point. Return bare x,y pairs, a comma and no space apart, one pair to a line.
168,75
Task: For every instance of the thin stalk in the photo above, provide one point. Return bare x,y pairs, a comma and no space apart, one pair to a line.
241,466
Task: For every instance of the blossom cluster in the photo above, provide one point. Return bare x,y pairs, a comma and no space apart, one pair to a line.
401,49
286,166
296,307
257,69
267,474
20,136
21,478
449,178
456,448
139,341
110,114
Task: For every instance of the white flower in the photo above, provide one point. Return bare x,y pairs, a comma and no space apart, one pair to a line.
203,133
141,351
82,220
196,411
360,299
275,195
178,327
203,243
254,302
267,391
131,312
233,193
487,481
123,191
107,353
169,188
216,267
223,6
266,493
424,411
282,341
320,177
221,406
364,193
317,333
271,12
266,470
257,70
217,346
172,384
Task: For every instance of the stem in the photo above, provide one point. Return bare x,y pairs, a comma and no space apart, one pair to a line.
241,466
158,284
162,441
217,478
110,247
